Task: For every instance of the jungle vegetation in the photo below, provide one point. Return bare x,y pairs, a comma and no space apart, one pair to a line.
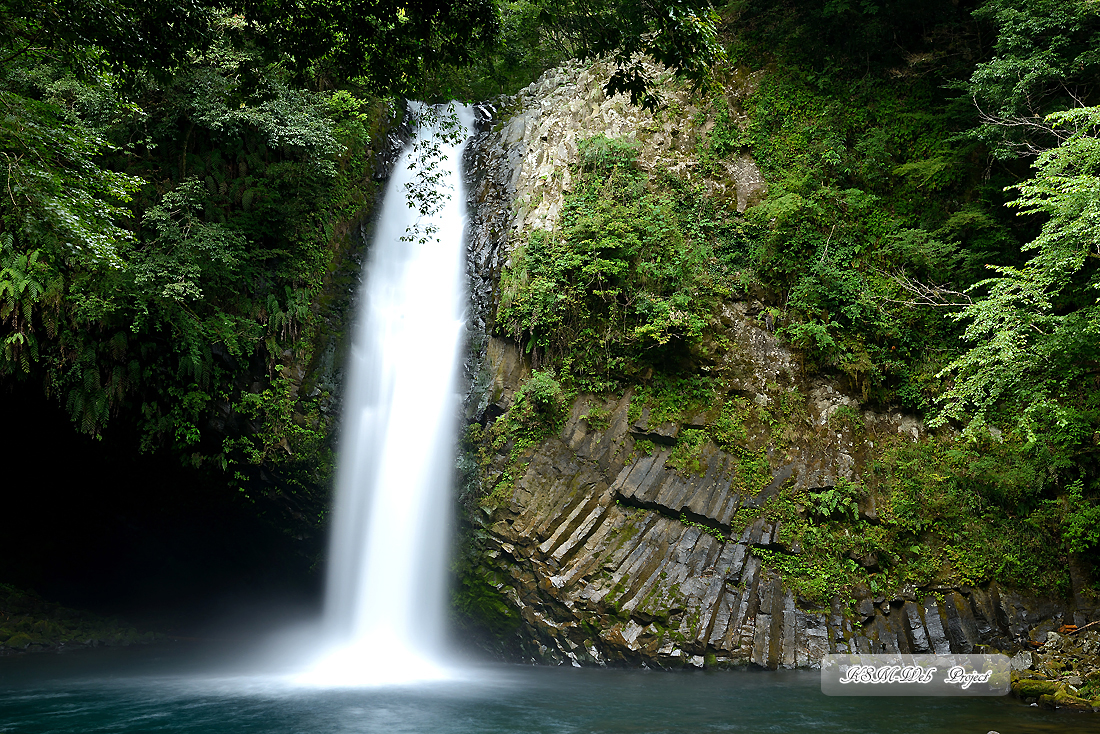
179,174
179,180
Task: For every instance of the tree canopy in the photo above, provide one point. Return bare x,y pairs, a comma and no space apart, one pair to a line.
680,34
1035,331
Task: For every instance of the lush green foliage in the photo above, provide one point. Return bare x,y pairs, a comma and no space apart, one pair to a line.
523,50
386,46
534,34
131,36
1046,59
1035,333
836,501
631,281
874,224
884,215
502,448
162,247
525,37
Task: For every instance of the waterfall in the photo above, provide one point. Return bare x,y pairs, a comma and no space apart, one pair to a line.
385,590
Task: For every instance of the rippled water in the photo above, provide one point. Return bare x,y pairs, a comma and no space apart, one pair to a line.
161,689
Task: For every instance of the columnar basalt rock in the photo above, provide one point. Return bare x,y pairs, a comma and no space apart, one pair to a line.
604,570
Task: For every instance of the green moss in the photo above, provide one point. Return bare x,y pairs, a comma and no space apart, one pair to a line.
688,454
538,410
729,430
30,621
1031,688
944,518
598,418
477,601
611,599
672,398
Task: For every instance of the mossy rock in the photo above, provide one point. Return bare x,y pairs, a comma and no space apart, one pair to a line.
1064,699
23,640
1035,688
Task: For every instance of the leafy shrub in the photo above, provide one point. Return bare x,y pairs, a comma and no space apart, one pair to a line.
598,418
630,281
1082,520
687,456
539,399
836,501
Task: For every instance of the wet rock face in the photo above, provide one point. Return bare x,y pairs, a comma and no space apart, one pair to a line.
1064,672
612,554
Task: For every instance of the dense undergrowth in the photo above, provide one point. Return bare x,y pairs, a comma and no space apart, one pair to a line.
629,283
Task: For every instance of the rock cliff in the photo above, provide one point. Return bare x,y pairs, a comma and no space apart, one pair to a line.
612,546
614,557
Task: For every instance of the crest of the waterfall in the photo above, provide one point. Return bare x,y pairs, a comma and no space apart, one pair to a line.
386,584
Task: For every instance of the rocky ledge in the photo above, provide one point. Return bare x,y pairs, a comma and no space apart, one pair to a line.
30,624
613,557
1064,672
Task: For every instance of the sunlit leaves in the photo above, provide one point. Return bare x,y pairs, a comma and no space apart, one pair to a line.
1046,58
680,34
1034,336
427,190
59,195
286,117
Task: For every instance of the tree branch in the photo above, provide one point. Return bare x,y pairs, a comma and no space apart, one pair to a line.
926,294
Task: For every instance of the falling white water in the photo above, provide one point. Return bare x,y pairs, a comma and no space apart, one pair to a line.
384,604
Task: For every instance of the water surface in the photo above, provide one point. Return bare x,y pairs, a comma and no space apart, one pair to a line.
171,689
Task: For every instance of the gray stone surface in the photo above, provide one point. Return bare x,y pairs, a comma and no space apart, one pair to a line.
579,553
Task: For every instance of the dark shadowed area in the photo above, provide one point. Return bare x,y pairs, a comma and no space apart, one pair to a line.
95,524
